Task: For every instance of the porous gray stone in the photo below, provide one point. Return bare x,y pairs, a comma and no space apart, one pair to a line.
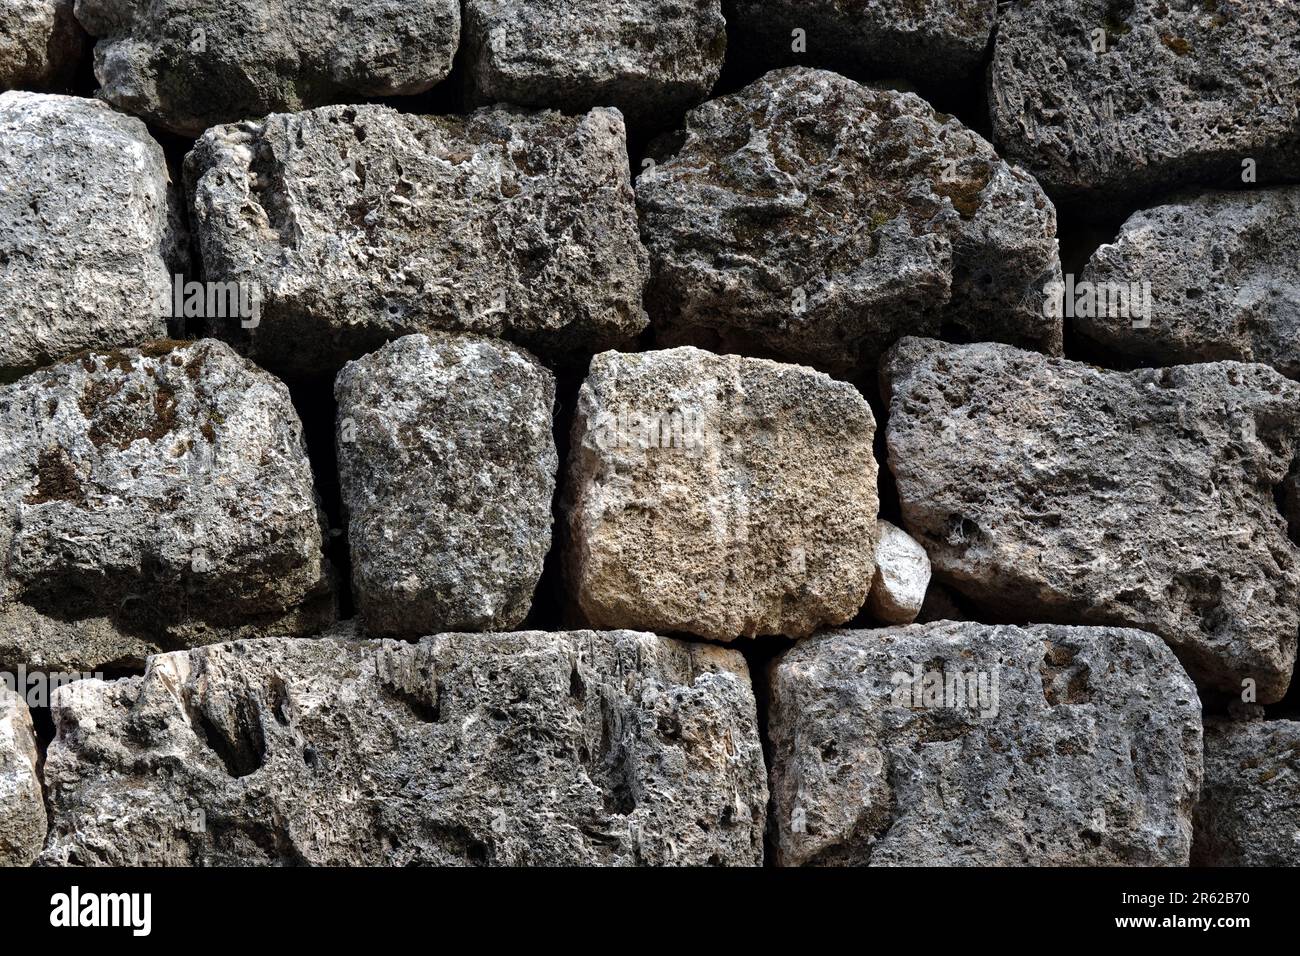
149,499
85,230
1182,93
959,744
902,576
814,219
22,803
40,44
447,466
1056,490
575,748
648,58
1249,811
935,42
1223,272
359,225
187,65
718,495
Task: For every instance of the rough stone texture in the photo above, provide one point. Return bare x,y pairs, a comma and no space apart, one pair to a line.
84,230
1090,754
930,41
1184,93
1224,274
648,58
719,495
902,576
360,224
151,499
187,65
40,44
447,465
1249,812
1060,491
815,219
22,804
575,748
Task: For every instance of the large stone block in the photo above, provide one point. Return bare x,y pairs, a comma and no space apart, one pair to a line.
447,465
719,495
360,224
574,748
961,744
1055,490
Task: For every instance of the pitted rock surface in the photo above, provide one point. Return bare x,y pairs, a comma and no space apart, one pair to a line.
447,464
1249,812
149,499
719,495
187,65
22,802
648,58
86,230
40,44
1224,279
1054,746
359,224
577,748
1053,489
815,219
1183,93
937,42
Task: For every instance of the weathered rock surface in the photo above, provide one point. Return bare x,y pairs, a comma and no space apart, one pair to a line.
40,44
1183,93
1249,812
575,748
151,499
1224,275
719,495
930,41
22,804
360,225
648,58
816,219
187,65
1078,746
447,465
84,230
1060,491
902,576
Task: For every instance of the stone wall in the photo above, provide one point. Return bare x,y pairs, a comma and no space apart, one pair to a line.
646,433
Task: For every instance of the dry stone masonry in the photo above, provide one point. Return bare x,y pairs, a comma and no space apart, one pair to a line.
560,749
187,65
816,219
448,468
450,432
718,495
970,745
360,224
